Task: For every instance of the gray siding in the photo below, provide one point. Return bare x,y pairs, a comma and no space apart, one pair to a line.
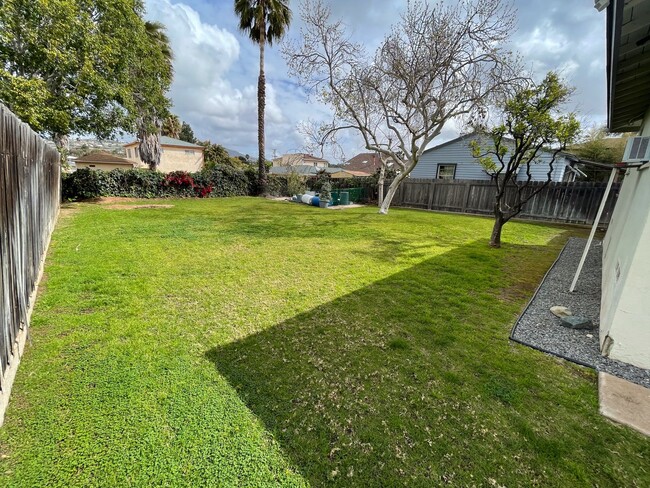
459,153
540,169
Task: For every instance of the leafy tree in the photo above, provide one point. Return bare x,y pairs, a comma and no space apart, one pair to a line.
265,21
531,124
67,66
438,63
187,134
217,155
596,146
295,183
172,127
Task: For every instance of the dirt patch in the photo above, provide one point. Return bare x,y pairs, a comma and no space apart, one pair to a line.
68,209
134,207
111,200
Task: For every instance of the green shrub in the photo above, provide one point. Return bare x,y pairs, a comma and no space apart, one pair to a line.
136,183
295,184
226,181
82,184
219,181
277,185
315,183
326,191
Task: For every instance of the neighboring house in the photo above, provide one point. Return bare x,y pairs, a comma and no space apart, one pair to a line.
103,161
364,162
300,159
176,155
346,173
301,170
304,170
625,304
453,160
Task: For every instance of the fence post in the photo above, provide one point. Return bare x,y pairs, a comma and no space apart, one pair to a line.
467,189
432,190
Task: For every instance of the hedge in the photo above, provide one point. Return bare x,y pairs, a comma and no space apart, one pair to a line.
218,181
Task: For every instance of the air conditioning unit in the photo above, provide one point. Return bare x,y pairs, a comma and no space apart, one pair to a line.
637,150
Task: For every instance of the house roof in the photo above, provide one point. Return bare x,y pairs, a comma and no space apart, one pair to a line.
103,158
365,162
301,169
460,138
350,172
300,157
473,134
628,60
169,141
308,170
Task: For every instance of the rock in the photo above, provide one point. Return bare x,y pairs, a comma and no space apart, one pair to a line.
560,311
576,322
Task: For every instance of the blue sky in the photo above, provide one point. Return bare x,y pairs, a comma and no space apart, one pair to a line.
216,66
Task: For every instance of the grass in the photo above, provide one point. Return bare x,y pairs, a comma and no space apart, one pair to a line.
242,342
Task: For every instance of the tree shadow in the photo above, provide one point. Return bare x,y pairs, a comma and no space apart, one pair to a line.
406,381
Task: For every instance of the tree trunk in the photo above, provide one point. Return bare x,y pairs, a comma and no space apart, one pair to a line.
261,102
392,189
62,143
380,185
499,221
149,145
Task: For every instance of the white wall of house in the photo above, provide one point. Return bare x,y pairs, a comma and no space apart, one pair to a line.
436,161
625,303
173,158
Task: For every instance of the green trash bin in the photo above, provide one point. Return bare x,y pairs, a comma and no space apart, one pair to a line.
345,198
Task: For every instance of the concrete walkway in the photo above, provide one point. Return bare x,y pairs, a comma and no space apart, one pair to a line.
624,402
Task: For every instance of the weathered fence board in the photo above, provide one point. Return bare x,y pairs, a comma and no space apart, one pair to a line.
29,204
575,203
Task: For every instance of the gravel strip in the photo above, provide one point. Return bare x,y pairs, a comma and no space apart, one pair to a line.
538,328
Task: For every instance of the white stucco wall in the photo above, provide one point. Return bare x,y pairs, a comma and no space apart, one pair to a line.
625,303
173,158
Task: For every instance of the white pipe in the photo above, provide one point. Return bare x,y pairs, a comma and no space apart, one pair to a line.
612,177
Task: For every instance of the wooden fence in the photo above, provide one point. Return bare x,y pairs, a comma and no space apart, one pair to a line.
575,203
29,205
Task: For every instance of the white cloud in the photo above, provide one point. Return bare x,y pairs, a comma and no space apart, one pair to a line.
209,91
544,39
215,87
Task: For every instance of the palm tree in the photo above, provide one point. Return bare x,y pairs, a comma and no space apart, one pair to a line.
172,127
150,120
265,21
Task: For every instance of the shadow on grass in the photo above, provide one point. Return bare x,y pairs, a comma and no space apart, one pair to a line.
409,380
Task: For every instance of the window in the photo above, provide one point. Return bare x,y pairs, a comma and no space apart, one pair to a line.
446,172
189,152
128,153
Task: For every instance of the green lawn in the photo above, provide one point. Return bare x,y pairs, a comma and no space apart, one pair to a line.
244,342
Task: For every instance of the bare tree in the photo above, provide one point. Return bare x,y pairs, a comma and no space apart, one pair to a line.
438,63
